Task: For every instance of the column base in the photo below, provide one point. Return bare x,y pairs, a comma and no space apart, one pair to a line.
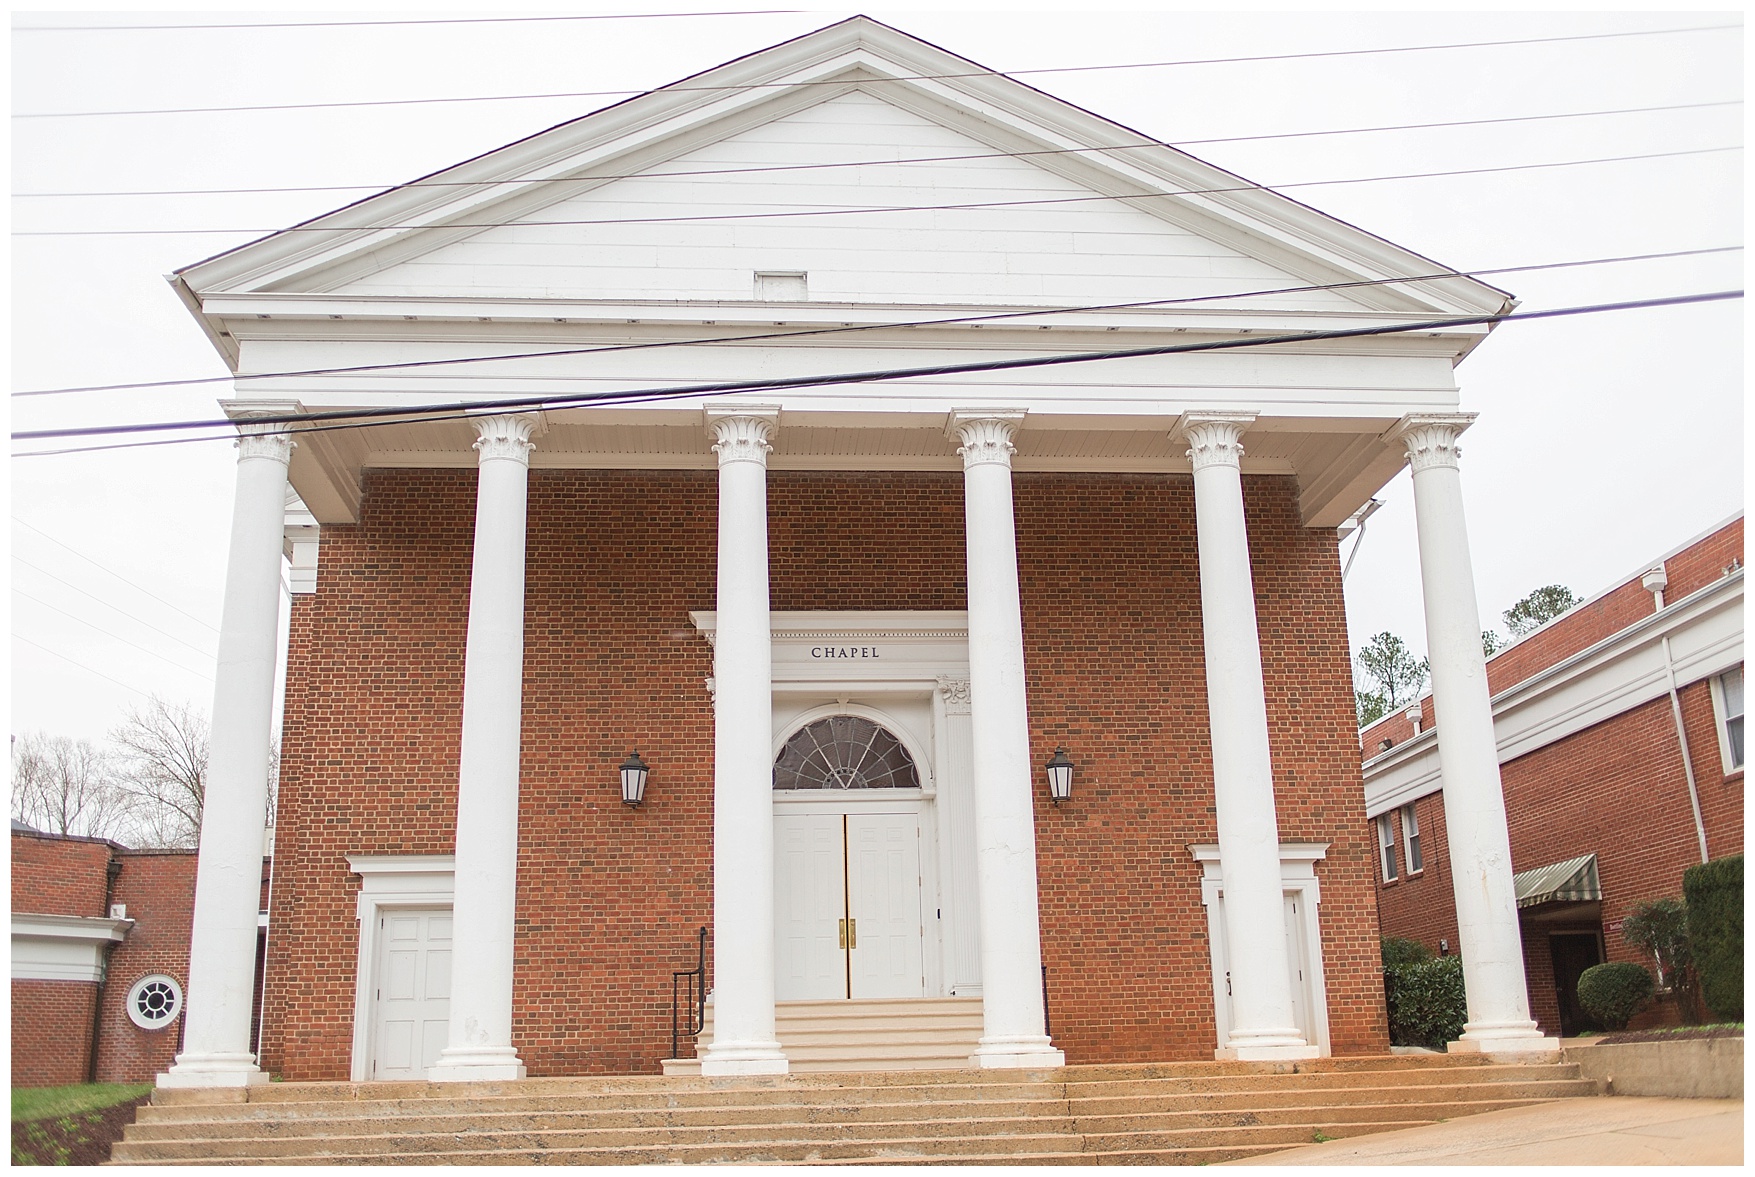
744,1058
476,1064
1515,1041
213,1070
1262,1046
1026,1052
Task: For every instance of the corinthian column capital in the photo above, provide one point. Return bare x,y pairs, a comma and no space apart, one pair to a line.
507,436
261,439
1215,438
1431,438
744,433
986,435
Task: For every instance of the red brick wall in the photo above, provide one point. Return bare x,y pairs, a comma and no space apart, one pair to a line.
159,888
59,876
51,1031
609,899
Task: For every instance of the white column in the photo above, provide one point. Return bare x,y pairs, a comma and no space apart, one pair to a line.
1262,1022
1474,800
483,911
744,1041
1005,822
228,874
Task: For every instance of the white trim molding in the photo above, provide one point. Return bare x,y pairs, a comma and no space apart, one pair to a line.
1297,879
1617,674
388,882
63,947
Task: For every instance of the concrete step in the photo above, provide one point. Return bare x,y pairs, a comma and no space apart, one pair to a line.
891,1034
1155,1114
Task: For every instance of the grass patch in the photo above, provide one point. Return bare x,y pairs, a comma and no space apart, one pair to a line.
47,1103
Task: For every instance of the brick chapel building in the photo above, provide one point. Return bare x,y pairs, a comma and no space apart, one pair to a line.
755,424
1620,738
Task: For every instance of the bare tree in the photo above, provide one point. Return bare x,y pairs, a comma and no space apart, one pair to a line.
162,755
67,786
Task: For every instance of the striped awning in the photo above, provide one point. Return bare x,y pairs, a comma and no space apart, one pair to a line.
1572,881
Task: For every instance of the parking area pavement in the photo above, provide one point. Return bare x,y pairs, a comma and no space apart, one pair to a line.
1606,1130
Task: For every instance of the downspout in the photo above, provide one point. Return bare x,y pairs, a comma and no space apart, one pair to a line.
1655,581
111,870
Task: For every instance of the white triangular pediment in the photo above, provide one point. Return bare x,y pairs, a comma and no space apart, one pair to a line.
1069,210
701,226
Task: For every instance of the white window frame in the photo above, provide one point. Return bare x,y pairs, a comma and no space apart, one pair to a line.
1412,856
1386,848
387,882
1722,720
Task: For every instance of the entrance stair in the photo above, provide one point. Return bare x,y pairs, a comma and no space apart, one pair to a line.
895,1034
1164,1114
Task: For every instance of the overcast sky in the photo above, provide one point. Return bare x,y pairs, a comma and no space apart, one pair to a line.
1603,441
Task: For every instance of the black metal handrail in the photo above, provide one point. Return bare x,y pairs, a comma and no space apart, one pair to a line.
696,990
1047,1026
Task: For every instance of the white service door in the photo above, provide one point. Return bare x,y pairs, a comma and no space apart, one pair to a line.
413,997
1295,963
809,901
883,901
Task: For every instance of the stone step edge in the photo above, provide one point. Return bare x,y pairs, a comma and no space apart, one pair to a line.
1340,1128
728,1113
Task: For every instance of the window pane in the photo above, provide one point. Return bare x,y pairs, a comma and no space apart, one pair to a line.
844,752
1734,729
1733,685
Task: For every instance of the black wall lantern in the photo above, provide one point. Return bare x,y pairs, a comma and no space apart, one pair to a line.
634,772
1059,770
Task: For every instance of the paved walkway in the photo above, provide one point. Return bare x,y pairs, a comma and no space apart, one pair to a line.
1608,1130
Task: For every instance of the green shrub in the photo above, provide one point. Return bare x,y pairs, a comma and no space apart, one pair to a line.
1714,891
1612,993
1400,950
1427,1004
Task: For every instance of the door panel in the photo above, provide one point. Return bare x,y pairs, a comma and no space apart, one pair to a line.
883,896
413,1005
809,902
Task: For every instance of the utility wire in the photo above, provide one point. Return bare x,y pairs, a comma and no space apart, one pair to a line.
113,572
18,637
112,607
678,88
109,634
349,24
867,163
861,210
410,414
408,365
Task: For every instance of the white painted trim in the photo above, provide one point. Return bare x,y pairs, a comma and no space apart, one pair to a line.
1617,674
63,947
1718,722
386,882
1297,877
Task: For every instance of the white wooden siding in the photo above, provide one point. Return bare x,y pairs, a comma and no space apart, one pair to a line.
1056,254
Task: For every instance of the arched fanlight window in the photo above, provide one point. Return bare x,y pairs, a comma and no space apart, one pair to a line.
844,752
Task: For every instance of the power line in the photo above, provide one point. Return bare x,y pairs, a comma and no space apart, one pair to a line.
116,608
866,163
409,365
678,88
18,637
349,24
118,637
411,414
112,572
862,210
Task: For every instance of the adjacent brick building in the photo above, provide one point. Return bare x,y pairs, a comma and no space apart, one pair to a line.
95,924
1594,769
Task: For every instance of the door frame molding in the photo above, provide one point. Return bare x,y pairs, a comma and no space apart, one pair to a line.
387,882
1297,877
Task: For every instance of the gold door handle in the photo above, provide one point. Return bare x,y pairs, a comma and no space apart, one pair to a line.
853,933
841,934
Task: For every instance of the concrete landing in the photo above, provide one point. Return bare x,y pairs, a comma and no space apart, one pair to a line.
1606,1130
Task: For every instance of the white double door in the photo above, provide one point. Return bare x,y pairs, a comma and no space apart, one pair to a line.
848,905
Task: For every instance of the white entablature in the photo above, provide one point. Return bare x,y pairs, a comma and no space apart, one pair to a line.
650,222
